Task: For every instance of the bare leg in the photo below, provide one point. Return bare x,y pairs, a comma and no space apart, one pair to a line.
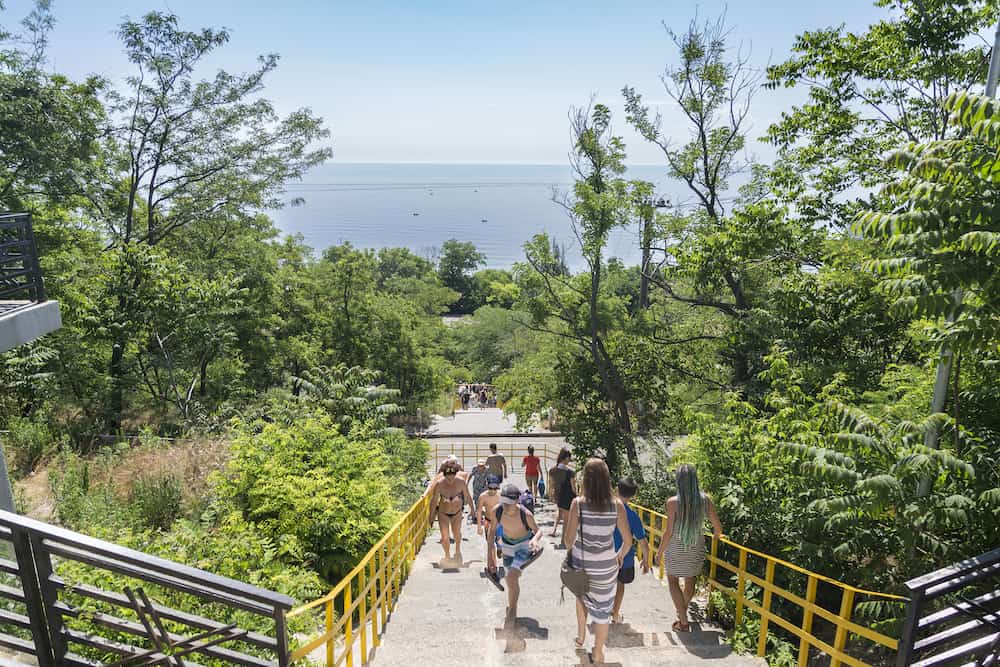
581,622
600,639
444,525
619,596
689,587
456,532
677,595
513,591
560,515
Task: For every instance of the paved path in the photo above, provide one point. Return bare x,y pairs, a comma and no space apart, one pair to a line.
449,614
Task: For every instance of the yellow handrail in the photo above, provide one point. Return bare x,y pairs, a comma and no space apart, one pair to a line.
368,594
369,591
655,525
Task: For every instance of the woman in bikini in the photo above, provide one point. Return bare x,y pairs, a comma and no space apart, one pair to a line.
447,498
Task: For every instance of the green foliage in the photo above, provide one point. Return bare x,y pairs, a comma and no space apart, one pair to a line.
943,238
156,499
870,92
458,261
26,444
308,481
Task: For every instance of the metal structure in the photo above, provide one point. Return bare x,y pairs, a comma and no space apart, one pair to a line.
20,274
806,595
51,616
954,615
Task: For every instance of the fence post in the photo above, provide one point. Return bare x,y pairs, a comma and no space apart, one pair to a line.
383,584
713,571
50,596
373,600
740,583
909,638
762,640
32,597
329,633
807,621
281,637
840,639
363,614
348,625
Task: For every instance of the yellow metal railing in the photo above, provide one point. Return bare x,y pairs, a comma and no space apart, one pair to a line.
357,608
655,524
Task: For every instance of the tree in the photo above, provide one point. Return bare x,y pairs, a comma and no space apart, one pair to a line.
713,256
578,308
870,92
49,125
459,260
182,150
942,234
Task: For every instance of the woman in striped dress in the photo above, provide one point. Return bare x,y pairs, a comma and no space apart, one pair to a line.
590,529
684,540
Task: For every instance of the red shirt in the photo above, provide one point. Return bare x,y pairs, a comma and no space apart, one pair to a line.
530,464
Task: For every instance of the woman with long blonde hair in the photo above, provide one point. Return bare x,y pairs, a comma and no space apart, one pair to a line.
684,540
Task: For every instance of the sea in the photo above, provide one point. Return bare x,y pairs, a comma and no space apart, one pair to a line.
498,207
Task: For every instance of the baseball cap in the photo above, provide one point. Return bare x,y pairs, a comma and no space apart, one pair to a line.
511,492
493,481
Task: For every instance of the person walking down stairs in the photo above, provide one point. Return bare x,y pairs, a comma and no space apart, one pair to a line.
589,532
684,541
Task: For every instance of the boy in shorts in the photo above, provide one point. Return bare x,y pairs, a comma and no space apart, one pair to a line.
520,542
627,488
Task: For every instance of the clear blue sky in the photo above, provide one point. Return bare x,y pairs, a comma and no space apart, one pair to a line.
423,81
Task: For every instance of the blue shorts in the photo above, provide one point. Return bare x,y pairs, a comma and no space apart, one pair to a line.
517,561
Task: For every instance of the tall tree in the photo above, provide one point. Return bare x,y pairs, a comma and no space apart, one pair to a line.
870,92
459,260
579,308
183,150
718,252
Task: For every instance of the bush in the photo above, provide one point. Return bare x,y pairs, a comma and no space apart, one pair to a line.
156,498
26,445
305,480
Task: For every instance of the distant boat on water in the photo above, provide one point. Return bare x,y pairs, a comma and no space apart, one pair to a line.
484,220
415,214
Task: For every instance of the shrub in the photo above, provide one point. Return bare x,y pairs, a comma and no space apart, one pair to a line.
26,444
156,498
306,480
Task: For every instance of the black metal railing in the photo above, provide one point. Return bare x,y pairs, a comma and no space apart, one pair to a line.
20,274
954,615
51,617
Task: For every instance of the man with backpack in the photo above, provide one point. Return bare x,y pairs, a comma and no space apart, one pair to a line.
520,542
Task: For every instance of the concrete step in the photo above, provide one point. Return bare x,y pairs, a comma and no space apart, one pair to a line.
449,614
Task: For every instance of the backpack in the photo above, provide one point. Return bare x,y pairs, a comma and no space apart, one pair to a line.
527,501
524,516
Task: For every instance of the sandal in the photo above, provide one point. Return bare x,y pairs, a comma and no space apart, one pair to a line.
681,627
579,643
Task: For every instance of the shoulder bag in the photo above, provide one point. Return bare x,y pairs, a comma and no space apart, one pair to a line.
575,578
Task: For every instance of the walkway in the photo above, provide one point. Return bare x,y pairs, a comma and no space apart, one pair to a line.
451,615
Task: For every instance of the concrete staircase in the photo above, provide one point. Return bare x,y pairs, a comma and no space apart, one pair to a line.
449,614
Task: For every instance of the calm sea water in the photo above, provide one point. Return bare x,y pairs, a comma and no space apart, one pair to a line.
496,207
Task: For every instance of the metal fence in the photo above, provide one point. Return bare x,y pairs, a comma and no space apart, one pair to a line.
739,566
954,615
20,274
357,609
51,619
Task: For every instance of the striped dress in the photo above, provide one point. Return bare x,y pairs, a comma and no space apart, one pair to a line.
686,560
597,553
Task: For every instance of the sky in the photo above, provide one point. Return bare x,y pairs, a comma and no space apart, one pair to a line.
454,82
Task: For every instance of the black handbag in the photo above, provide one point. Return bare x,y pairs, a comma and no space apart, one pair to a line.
574,578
